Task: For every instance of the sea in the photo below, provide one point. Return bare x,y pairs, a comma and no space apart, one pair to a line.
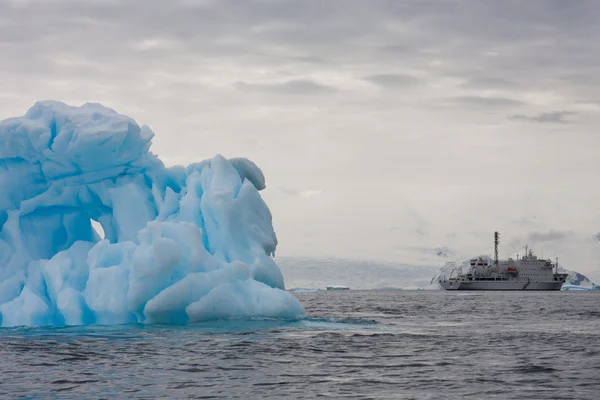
352,344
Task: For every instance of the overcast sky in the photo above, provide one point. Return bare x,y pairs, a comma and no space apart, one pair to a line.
386,129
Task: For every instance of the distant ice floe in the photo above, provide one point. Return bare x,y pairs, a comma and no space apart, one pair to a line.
304,290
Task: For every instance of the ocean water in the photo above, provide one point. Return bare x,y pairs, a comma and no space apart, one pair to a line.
354,344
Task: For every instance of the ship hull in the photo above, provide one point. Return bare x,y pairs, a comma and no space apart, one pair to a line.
501,285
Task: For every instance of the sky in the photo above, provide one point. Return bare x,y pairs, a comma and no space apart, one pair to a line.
402,131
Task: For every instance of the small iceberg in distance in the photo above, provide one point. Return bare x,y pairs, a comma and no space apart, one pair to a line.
304,290
337,287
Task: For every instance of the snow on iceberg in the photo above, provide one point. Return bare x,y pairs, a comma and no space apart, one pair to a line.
180,244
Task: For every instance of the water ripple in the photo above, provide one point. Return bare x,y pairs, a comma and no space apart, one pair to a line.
355,344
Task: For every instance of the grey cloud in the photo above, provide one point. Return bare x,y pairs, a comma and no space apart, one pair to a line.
487,83
399,49
293,87
290,31
443,252
392,80
557,117
588,102
178,61
548,236
485,101
526,221
420,222
517,244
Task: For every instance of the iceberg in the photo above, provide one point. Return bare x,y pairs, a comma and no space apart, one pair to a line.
575,279
95,229
580,288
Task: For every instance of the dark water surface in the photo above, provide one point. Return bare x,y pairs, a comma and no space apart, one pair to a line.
356,344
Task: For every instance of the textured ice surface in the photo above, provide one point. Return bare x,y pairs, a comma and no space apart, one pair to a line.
180,244
578,287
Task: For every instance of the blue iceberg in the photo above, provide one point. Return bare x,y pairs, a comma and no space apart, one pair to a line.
581,288
176,245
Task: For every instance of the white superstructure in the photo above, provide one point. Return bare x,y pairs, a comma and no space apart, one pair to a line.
526,273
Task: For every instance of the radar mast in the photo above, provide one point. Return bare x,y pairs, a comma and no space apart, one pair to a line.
496,241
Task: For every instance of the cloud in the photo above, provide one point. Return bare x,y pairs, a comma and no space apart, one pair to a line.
487,83
556,117
302,193
288,85
309,193
551,235
491,102
292,87
154,44
443,252
392,80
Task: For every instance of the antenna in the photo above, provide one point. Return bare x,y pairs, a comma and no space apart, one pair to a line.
496,241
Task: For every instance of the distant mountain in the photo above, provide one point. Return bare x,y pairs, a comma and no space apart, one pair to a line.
321,272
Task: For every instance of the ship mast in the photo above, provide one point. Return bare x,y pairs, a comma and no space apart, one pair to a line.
496,241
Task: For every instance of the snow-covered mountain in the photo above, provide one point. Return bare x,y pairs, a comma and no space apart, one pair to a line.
321,272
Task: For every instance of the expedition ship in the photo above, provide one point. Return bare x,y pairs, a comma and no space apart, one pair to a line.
525,273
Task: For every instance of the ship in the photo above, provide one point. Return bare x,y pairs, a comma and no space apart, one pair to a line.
526,273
